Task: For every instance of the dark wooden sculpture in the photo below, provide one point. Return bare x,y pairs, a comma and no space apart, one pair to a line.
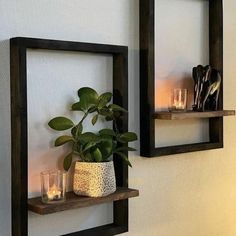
206,88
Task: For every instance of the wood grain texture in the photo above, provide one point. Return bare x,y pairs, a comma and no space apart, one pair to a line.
165,115
19,144
216,125
120,97
147,74
61,45
74,201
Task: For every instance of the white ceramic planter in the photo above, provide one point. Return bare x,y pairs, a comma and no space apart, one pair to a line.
94,179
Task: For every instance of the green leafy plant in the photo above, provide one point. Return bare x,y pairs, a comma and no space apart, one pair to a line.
89,146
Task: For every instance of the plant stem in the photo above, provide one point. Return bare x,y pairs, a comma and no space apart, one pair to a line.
85,115
78,146
77,130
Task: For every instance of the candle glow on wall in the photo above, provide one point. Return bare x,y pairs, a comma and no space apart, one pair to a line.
164,90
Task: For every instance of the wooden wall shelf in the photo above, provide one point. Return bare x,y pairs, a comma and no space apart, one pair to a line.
148,115
165,115
19,113
74,201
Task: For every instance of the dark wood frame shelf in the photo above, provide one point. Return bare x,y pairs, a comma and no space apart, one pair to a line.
166,115
74,201
18,50
147,84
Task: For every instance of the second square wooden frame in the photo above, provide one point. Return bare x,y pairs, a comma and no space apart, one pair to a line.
147,81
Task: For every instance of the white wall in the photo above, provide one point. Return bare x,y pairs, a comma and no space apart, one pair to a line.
180,195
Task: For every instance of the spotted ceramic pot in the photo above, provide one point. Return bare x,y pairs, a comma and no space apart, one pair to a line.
94,179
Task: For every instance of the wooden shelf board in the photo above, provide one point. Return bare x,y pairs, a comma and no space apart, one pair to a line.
166,115
74,201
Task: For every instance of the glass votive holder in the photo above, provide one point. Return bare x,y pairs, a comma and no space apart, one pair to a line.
178,101
53,186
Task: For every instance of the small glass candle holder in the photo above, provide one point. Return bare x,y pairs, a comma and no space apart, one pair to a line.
53,186
178,100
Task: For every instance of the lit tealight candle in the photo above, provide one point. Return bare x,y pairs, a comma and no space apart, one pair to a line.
178,101
178,105
53,186
54,193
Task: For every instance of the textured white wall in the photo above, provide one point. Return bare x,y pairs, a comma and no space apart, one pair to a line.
180,195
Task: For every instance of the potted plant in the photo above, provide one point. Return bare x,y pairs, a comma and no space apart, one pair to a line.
94,171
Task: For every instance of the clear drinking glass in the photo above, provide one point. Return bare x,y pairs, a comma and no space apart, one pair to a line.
53,186
178,100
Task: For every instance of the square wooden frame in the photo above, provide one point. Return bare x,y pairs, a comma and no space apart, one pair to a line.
18,51
147,81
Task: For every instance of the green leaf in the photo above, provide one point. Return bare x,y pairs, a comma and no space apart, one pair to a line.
105,111
128,137
124,157
124,149
79,106
104,99
92,109
106,148
88,137
115,107
77,130
61,123
94,119
88,157
63,139
88,95
67,161
109,132
89,145
97,155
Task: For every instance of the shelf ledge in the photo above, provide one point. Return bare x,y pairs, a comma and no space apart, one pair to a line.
74,201
166,115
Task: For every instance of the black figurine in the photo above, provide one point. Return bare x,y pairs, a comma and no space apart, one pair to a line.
206,88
